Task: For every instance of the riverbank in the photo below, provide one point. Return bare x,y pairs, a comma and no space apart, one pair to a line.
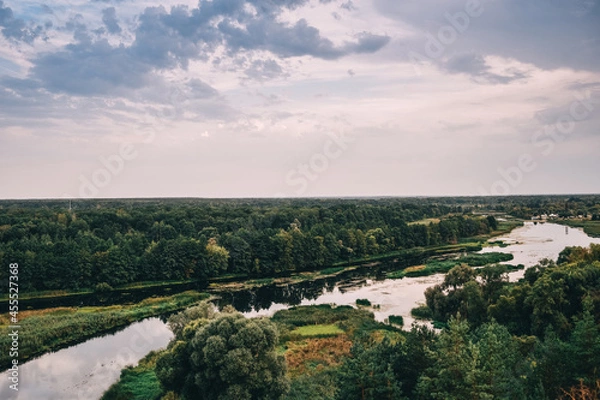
592,228
46,330
138,291
404,259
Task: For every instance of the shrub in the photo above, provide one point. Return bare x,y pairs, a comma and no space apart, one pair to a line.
363,302
103,287
396,320
421,312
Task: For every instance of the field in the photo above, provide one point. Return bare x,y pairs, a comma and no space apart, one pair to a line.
317,330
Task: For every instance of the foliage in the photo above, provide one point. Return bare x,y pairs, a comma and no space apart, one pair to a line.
363,302
369,373
421,312
123,242
396,320
137,383
230,357
436,266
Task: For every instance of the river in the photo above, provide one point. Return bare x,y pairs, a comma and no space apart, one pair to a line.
86,370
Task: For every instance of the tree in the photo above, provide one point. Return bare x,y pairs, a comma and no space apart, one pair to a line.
585,344
455,374
216,257
492,222
369,373
234,358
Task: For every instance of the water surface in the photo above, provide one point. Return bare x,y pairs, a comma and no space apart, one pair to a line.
86,371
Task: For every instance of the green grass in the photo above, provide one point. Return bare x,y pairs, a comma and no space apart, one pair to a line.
443,266
261,282
51,329
137,383
317,330
313,315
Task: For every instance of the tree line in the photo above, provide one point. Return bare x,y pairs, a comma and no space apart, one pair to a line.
118,243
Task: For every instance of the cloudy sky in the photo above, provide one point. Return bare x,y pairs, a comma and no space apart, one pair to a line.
262,98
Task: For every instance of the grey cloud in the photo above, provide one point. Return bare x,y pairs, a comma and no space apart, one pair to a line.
167,40
550,34
109,17
474,65
349,5
574,110
90,68
15,28
367,43
262,70
200,90
200,30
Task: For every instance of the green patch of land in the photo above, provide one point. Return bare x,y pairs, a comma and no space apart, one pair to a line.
442,266
137,383
53,328
321,330
425,221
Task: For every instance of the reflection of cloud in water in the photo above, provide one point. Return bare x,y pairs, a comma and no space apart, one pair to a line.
86,370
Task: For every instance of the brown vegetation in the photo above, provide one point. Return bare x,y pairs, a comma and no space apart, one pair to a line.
316,353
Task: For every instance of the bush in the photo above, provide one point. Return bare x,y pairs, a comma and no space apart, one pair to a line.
421,312
363,302
103,287
396,320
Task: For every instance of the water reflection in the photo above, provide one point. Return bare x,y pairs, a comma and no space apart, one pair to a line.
535,241
85,371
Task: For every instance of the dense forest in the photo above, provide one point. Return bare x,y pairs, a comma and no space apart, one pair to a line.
105,244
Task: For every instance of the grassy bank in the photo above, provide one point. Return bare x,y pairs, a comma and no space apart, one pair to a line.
137,383
53,328
443,266
592,228
130,288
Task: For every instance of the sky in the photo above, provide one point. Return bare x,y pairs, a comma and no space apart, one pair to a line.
298,98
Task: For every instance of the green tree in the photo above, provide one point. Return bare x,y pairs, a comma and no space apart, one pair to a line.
369,373
456,373
234,358
216,258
